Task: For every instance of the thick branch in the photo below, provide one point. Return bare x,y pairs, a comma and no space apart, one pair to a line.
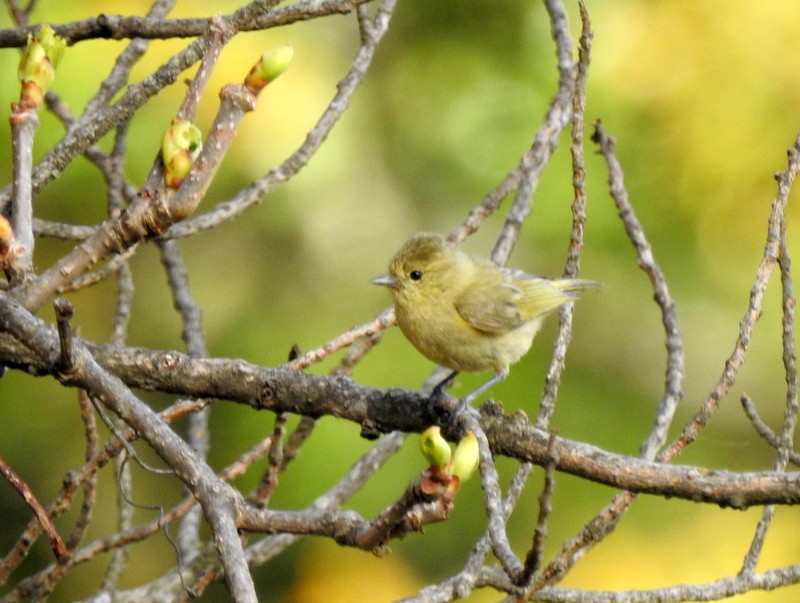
217,498
383,411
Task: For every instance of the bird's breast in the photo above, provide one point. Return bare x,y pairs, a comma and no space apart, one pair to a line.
444,337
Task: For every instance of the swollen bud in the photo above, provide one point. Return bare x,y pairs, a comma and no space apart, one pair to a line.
180,146
54,46
269,67
37,65
6,241
466,457
434,447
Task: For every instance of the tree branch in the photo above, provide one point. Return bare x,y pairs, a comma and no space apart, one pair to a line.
120,27
378,410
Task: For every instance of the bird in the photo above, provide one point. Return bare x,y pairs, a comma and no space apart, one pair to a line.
466,313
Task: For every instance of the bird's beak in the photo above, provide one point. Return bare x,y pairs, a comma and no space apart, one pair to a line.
385,280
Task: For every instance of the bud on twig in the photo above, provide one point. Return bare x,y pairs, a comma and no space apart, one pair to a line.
180,146
269,67
434,447
7,244
465,458
37,66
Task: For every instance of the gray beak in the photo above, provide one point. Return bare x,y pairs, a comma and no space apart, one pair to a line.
385,280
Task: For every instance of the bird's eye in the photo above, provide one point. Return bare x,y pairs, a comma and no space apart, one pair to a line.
415,275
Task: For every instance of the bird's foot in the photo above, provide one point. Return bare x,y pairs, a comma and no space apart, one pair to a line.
465,407
439,388
442,404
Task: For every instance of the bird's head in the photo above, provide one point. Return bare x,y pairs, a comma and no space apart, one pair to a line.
421,268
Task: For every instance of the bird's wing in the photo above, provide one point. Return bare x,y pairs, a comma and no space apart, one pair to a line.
541,296
491,308
505,306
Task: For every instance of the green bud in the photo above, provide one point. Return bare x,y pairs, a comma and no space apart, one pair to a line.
54,46
269,67
466,457
31,64
36,69
434,447
180,146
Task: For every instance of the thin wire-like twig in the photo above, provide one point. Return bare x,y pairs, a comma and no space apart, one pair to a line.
492,499
749,408
547,404
71,486
383,321
673,386
605,521
753,312
124,538
790,412
469,577
536,553
345,89
198,434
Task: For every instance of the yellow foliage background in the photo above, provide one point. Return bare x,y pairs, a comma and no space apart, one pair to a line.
704,99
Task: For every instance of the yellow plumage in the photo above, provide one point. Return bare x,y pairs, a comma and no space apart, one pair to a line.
467,313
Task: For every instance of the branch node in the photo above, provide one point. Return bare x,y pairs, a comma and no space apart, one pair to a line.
64,313
266,393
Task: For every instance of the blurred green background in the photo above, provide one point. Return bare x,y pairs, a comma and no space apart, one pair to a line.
704,100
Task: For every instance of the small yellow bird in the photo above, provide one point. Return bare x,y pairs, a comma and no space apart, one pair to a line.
466,313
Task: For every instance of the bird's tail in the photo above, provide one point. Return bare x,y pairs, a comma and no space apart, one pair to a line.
575,285
541,295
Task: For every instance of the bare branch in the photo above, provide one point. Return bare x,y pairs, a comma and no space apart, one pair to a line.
547,405
283,390
118,27
246,532
316,136
56,543
770,257
673,387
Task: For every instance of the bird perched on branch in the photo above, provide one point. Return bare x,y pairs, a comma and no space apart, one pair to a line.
466,313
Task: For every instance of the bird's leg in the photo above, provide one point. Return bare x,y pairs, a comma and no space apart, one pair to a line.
441,403
438,390
470,397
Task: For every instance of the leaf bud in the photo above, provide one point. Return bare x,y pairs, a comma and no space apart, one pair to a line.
270,66
434,447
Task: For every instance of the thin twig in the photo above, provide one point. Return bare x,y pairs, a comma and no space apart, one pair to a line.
90,487
546,140
764,430
492,499
382,321
547,404
345,89
16,482
536,553
753,312
461,584
118,27
269,479
673,386
189,542
790,413
24,123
